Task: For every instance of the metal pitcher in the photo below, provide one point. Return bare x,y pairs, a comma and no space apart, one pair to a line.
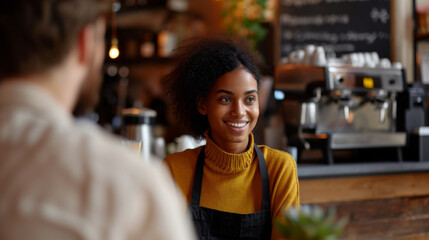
138,126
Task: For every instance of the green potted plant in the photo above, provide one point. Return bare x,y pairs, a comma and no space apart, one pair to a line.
310,223
246,17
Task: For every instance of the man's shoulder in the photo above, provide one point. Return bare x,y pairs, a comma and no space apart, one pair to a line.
96,144
74,157
66,145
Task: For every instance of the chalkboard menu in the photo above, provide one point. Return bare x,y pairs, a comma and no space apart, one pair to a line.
340,26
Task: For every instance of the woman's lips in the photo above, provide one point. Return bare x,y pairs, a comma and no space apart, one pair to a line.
237,127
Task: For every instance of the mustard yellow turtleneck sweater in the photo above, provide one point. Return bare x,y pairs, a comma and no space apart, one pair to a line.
232,182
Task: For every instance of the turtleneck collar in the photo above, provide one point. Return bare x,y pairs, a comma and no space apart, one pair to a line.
227,163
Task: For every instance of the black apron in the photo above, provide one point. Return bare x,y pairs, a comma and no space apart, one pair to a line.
218,225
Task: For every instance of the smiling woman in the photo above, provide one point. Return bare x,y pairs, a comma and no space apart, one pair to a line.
232,109
235,188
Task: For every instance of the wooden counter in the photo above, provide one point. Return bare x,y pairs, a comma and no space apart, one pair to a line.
388,206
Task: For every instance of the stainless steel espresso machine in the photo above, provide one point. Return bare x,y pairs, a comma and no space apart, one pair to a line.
344,107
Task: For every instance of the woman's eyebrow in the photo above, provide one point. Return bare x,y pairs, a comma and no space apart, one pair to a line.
224,91
231,93
251,91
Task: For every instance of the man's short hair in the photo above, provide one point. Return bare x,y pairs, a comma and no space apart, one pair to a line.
38,34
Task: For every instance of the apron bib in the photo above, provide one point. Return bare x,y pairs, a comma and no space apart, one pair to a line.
218,225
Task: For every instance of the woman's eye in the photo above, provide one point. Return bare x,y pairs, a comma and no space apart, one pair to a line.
251,99
225,99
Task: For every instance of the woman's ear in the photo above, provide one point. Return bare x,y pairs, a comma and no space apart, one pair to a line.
201,106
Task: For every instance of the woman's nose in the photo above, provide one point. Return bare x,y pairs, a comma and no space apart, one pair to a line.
237,109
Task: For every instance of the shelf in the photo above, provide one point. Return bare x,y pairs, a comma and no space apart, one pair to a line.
137,61
362,169
137,5
140,9
421,37
150,32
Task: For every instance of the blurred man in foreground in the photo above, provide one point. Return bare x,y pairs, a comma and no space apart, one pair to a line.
59,178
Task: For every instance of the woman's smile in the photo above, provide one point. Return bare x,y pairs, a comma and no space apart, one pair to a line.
237,125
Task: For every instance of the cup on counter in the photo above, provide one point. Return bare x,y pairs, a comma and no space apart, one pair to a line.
361,59
385,63
397,65
296,57
369,60
375,57
133,145
308,54
319,57
159,148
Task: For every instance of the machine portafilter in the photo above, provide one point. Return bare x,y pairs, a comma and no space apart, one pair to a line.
345,101
308,116
380,101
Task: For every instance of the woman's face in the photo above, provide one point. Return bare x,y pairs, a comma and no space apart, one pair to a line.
232,109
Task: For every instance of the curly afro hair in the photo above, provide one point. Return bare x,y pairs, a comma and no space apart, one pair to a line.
200,62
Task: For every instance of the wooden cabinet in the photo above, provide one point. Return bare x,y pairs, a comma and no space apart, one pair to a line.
393,206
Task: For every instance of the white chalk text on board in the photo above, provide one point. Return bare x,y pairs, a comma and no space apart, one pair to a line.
340,26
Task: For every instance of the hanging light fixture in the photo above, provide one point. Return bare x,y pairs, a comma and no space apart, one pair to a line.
114,50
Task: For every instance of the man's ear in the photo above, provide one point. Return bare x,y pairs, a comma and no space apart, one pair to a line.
85,42
201,105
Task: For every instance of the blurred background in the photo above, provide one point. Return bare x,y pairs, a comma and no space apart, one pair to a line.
145,32
380,181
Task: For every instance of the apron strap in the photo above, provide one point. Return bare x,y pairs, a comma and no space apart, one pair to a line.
198,178
264,178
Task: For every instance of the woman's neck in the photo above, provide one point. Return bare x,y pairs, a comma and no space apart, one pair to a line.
231,147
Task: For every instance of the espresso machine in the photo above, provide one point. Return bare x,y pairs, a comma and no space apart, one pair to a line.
344,107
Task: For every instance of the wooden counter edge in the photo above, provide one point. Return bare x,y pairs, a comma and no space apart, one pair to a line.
363,188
